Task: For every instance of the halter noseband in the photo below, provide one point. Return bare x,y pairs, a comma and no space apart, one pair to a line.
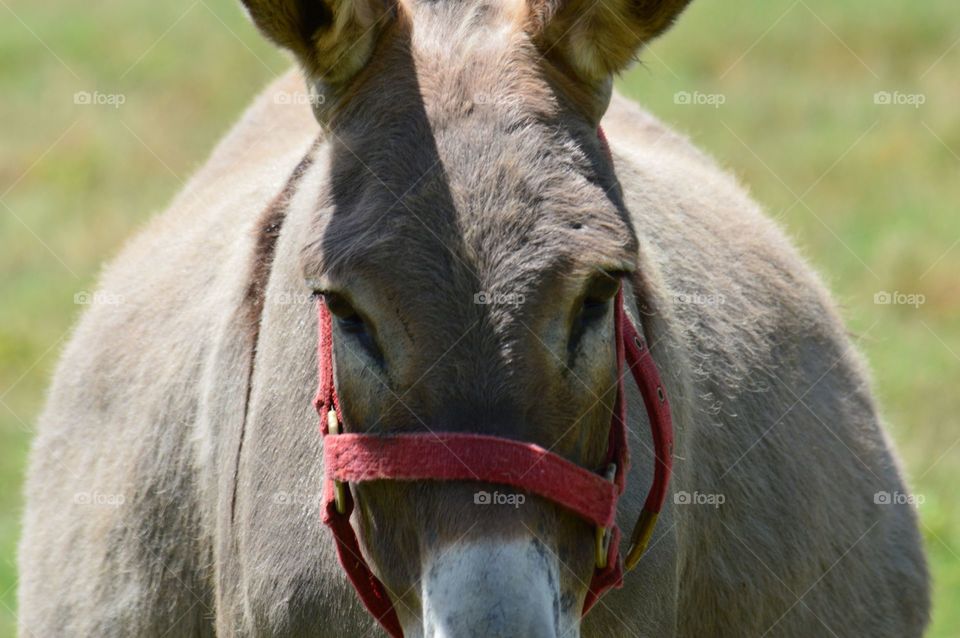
354,458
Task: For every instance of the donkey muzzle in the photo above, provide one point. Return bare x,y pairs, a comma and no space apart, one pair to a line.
495,588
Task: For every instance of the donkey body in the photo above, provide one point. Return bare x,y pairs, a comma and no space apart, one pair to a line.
174,481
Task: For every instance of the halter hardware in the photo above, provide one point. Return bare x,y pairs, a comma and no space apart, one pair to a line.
340,490
603,534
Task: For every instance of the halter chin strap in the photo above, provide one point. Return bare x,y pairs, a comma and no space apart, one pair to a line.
350,457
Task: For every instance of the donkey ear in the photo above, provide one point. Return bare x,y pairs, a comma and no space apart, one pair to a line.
598,39
332,39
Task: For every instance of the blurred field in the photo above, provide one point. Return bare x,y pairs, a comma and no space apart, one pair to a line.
782,92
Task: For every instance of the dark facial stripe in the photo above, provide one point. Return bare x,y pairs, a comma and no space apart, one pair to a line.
268,230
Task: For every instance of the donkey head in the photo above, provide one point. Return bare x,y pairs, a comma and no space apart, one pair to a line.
469,241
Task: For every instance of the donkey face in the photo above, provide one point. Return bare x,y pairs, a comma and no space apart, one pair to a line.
469,245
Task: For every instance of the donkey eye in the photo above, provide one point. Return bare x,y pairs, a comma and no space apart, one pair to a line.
596,302
352,323
594,308
598,295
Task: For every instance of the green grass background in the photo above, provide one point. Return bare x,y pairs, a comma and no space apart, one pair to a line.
870,192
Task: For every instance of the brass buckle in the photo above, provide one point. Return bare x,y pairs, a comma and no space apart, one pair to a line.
603,534
339,488
640,538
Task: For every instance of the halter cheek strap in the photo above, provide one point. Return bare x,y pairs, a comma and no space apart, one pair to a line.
351,457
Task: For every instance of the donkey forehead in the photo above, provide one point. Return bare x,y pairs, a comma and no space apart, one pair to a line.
501,208
500,200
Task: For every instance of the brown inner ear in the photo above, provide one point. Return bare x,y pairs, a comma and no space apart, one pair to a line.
332,39
599,39
315,17
290,24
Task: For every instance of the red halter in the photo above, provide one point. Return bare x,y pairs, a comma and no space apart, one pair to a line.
490,459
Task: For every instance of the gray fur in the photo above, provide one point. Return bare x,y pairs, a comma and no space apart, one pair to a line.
174,482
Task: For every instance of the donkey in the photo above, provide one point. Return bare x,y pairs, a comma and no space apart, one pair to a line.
458,214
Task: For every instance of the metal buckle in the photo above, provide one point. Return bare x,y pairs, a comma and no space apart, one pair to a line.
339,488
603,534
640,538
